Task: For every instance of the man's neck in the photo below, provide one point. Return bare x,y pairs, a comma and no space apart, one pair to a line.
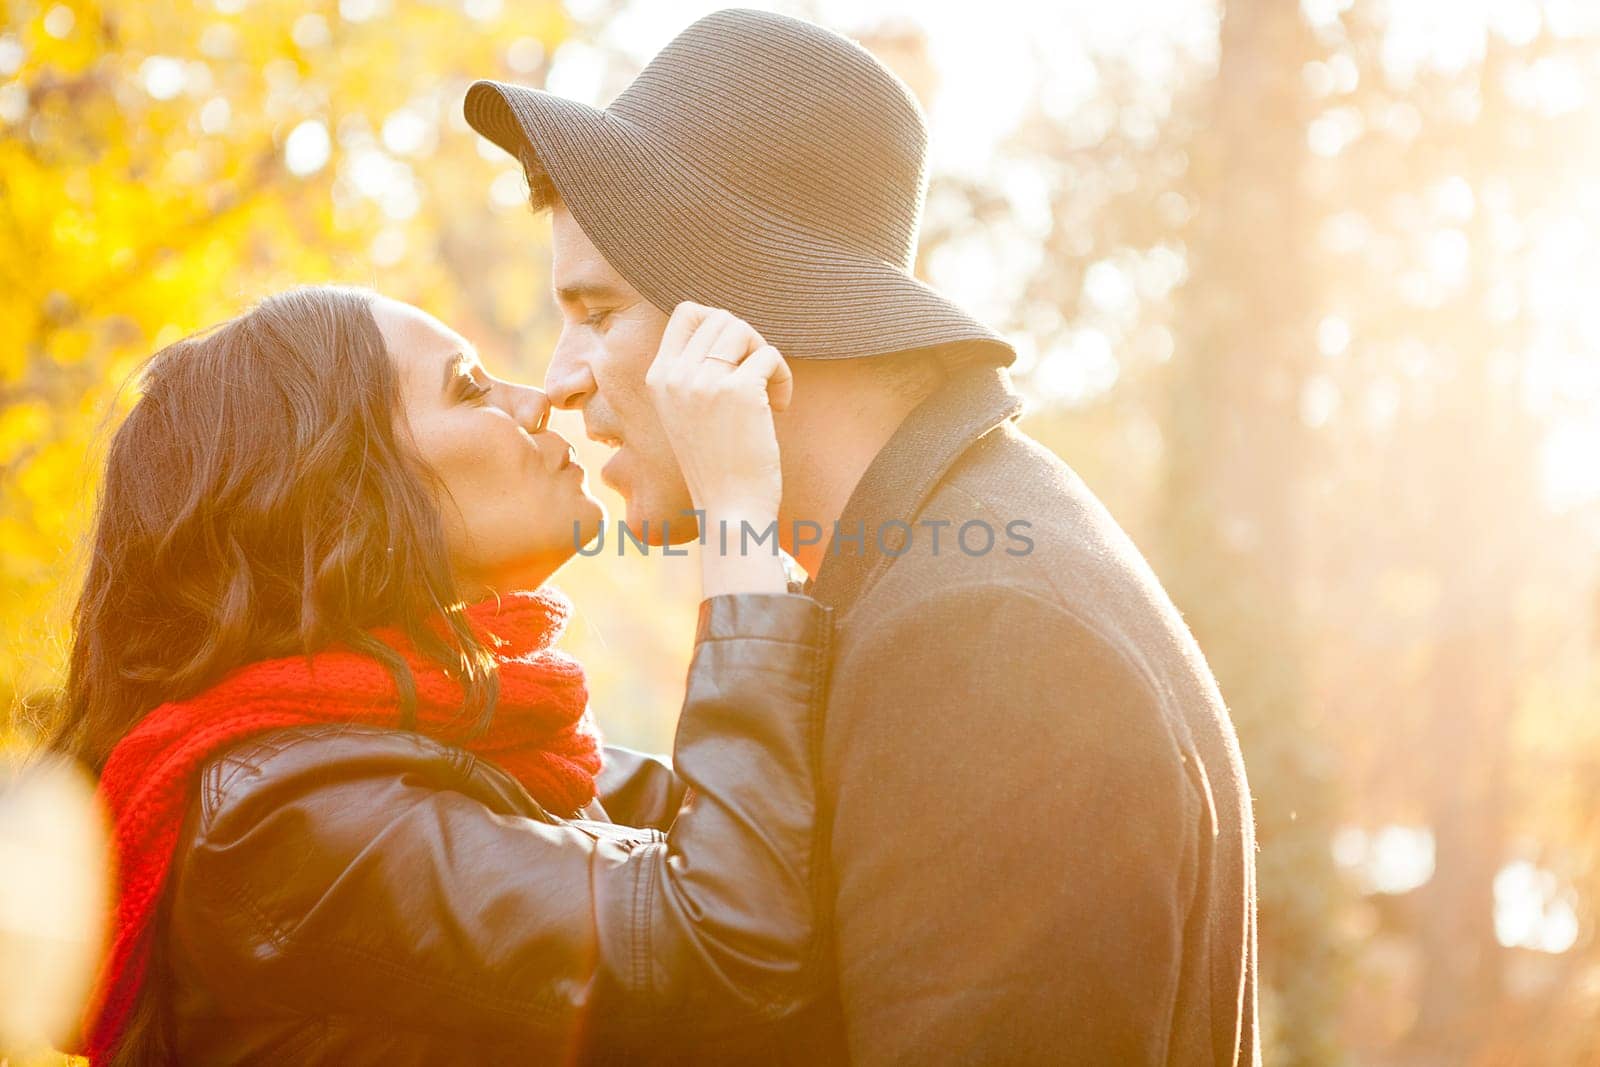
820,501
826,451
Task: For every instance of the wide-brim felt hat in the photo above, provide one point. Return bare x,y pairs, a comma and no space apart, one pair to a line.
761,164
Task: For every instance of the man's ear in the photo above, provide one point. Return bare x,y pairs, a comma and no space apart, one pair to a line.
542,192
913,376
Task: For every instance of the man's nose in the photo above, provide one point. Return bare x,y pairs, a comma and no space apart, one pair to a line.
569,381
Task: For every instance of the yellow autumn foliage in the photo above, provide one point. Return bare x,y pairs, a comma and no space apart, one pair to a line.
164,165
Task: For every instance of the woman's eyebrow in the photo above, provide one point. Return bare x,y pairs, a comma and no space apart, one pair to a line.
452,368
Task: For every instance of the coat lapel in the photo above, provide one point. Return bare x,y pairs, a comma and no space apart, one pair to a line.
974,402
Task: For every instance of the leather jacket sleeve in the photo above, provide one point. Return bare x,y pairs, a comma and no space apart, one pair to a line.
374,886
637,789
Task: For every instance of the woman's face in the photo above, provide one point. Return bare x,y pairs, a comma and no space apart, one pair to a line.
514,502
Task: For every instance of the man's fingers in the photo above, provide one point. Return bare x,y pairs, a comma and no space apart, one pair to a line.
768,366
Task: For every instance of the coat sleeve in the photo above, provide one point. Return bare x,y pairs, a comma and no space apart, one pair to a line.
370,890
1012,840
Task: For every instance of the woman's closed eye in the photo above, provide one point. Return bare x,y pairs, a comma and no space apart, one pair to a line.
469,390
597,319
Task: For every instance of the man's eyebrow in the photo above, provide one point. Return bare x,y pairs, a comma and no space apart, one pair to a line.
587,291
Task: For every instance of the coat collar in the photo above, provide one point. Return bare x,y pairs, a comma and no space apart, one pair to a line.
972,403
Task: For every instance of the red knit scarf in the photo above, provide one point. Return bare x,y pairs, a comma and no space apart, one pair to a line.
540,734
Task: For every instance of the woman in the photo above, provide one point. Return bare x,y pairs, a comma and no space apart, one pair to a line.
354,786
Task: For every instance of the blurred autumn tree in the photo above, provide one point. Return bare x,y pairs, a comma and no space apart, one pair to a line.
163,165
1237,465
1448,576
1172,314
1308,316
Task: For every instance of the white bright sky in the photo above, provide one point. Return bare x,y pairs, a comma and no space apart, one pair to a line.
991,58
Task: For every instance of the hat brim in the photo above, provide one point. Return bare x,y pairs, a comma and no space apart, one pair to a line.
677,233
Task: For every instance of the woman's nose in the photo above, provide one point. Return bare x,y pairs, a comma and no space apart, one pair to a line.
530,407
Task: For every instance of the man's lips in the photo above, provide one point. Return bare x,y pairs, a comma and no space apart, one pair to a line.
611,441
611,471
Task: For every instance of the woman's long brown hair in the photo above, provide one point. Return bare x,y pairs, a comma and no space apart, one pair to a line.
260,501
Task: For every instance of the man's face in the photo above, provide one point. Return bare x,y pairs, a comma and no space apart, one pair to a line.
609,336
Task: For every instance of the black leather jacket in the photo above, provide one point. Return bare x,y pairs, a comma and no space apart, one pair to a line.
357,895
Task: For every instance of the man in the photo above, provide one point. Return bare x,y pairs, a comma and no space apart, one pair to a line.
1041,843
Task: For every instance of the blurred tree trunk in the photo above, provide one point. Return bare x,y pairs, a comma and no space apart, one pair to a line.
1236,455
1467,748
1484,481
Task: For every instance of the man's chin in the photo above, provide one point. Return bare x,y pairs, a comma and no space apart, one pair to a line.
658,527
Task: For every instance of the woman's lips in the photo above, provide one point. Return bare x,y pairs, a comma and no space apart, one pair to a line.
566,457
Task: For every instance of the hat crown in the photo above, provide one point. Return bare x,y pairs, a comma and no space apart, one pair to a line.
795,120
